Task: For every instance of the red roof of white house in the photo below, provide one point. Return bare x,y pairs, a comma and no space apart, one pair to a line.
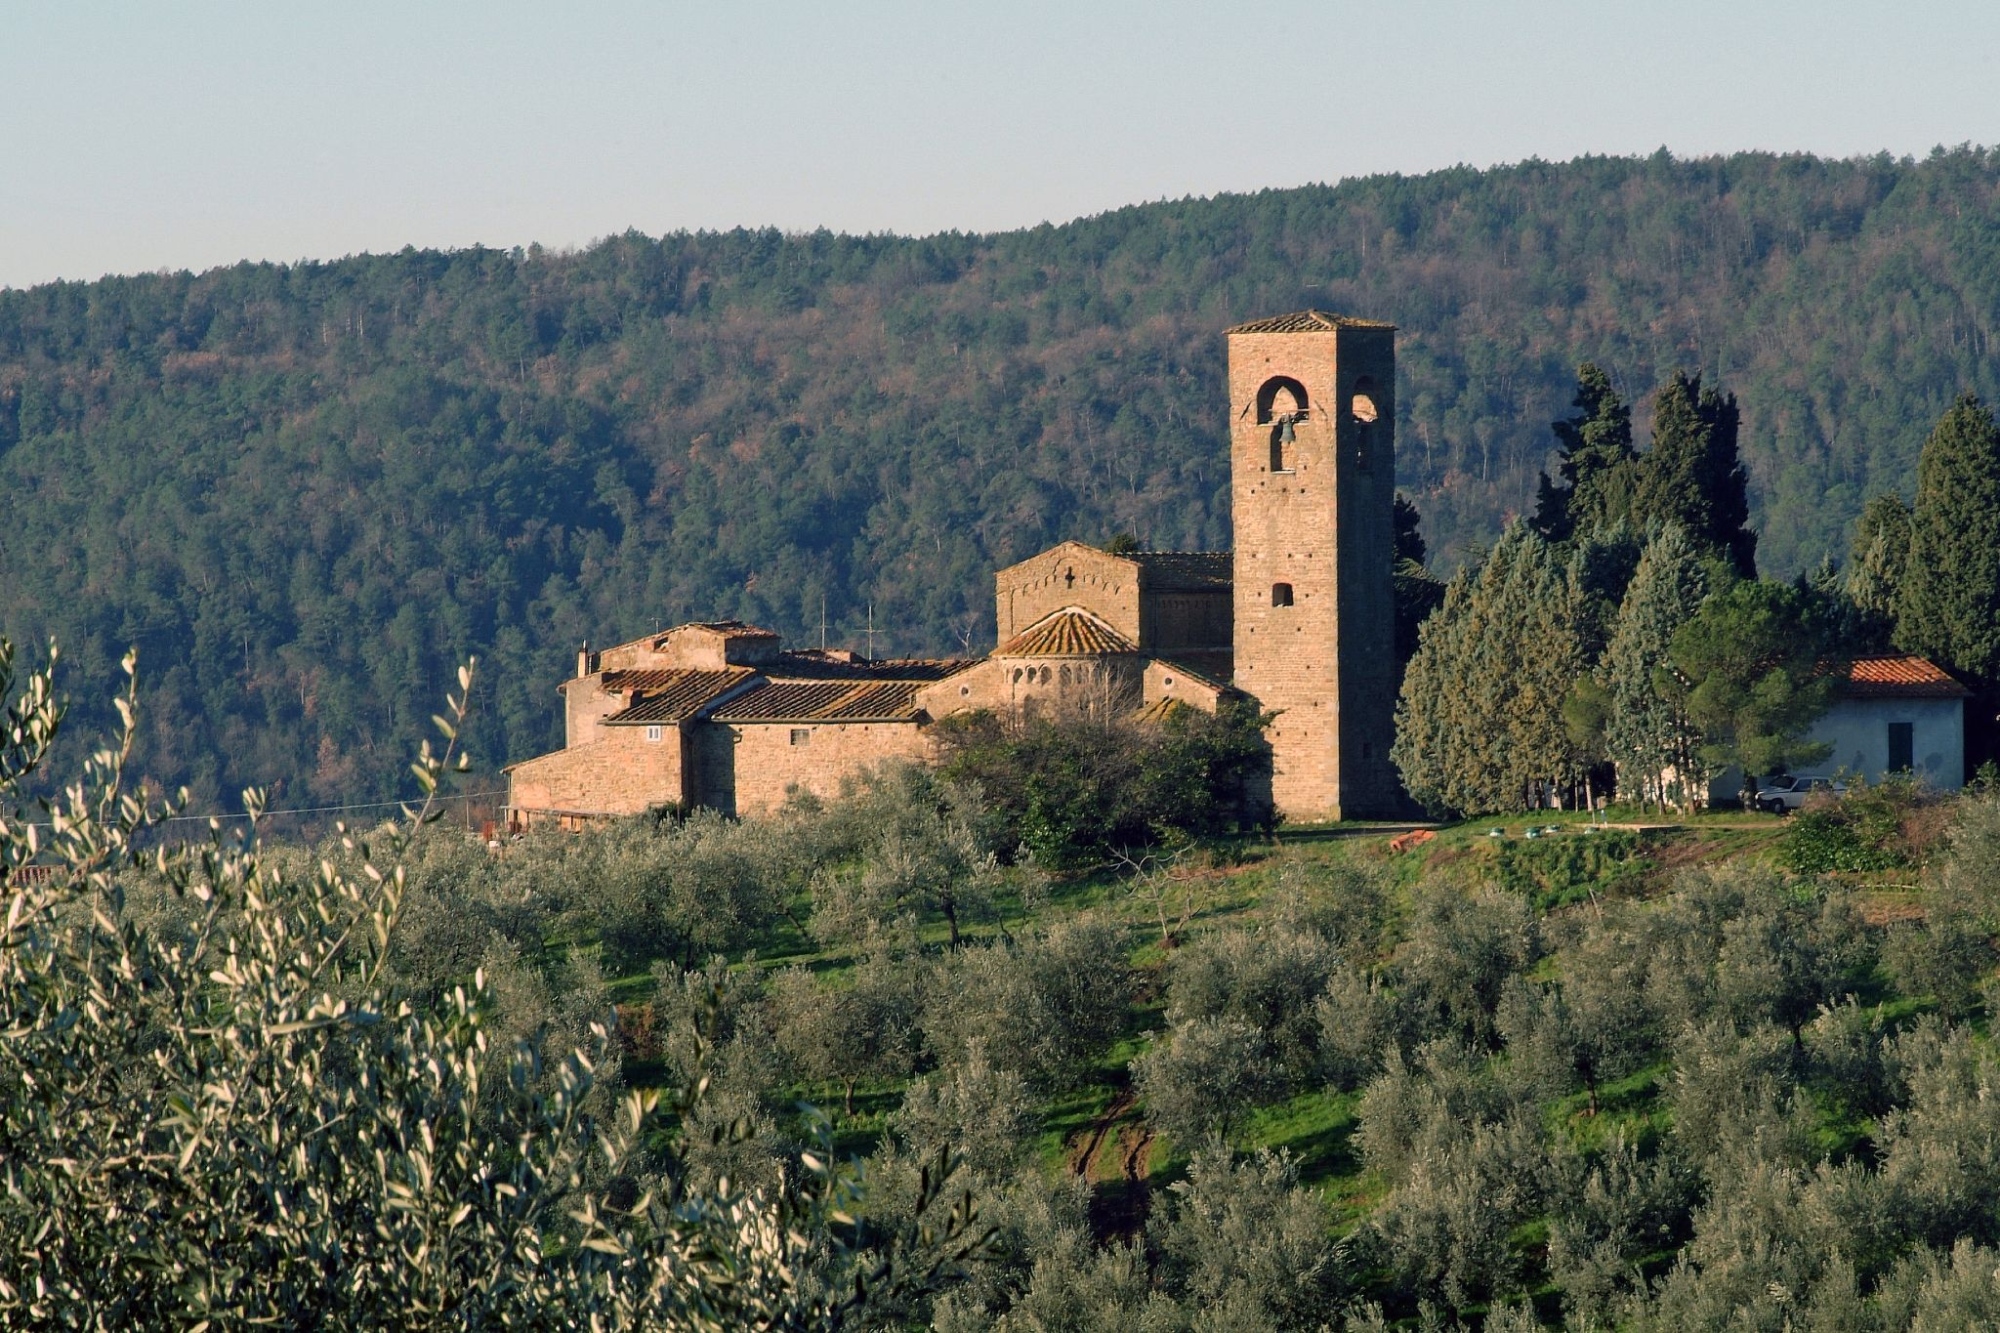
1899,676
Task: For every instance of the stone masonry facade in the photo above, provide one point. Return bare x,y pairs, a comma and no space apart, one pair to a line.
1300,618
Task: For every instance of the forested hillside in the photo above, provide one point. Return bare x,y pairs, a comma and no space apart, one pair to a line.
303,491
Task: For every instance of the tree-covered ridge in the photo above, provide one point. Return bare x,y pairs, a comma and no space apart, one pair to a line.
304,490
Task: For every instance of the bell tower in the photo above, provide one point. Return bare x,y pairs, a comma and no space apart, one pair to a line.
1312,401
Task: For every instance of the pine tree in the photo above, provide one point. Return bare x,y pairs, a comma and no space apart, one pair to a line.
1480,724
1950,604
1598,466
1749,669
1692,475
1647,734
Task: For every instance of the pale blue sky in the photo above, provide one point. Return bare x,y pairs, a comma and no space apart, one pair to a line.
181,135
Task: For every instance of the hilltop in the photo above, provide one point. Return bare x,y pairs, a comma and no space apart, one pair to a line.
302,491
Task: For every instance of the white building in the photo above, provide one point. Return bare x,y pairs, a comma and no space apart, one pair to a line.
1896,712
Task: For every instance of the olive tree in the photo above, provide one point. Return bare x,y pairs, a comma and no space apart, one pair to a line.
226,1116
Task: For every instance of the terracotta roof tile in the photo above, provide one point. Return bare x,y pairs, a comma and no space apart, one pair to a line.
1309,321
810,664
1070,632
1899,676
672,696
823,701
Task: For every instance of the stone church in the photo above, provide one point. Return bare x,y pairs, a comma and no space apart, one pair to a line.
1299,618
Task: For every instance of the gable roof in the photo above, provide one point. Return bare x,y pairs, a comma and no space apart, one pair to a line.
671,696
823,701
1899,676
1070,632
1309,321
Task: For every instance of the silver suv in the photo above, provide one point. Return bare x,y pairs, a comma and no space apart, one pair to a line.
1779,795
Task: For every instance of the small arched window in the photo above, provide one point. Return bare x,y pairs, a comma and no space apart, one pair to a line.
1281,396
1281,594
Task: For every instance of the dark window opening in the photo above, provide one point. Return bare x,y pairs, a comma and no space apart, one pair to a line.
802,735
1281,594
1362,414
1902,747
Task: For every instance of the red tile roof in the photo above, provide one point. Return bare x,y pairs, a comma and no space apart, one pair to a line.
1070,632
1308,321
671,696
811,664
823,701
1899,676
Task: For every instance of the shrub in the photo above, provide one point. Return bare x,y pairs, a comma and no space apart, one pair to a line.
1074,785
1551,872
1862,830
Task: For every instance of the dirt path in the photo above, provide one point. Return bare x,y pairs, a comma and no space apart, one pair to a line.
1112,1156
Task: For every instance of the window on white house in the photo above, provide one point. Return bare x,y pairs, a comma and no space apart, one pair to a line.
653,734
1902,746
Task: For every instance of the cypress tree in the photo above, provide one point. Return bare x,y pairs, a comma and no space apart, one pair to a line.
1693,476
1950,604
1597,467
1647,733
1878,558
1480,723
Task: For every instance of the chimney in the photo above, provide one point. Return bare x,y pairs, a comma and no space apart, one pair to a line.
583,660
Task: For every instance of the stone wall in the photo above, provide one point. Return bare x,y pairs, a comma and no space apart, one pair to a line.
1175,623
621,772
772,758
1071,574
586,703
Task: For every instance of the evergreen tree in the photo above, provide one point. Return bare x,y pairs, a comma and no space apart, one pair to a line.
1647,732
1748,668
1409,536
1418,592
1950,604
1602,562
1878,558
1480,724
1598,466
1692,475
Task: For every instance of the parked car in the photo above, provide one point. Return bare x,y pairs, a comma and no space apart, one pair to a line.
1779,795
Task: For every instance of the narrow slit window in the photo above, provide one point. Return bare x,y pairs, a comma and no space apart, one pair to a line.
1281,594
653,734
